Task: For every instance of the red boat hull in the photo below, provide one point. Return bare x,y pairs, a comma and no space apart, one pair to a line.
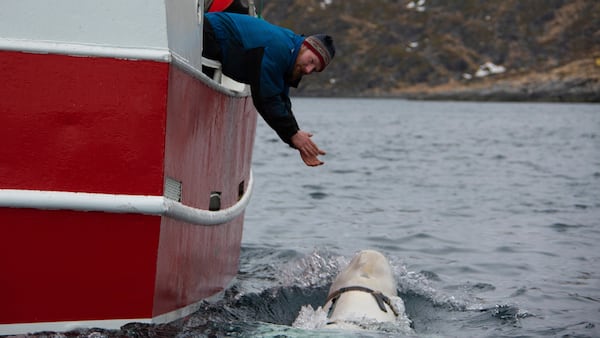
119,127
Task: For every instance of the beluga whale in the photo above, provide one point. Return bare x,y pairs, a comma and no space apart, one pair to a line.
363,296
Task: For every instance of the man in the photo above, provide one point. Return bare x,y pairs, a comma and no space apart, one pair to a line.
270,59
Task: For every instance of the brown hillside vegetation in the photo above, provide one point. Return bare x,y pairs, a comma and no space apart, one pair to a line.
534,50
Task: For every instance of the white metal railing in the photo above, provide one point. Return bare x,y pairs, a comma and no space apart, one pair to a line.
115,203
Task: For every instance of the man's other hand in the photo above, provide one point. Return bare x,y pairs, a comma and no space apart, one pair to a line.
307,148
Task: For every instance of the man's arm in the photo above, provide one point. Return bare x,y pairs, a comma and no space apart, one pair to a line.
277,112
278,116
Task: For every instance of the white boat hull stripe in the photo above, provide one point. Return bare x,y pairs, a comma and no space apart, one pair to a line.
81,49
110,324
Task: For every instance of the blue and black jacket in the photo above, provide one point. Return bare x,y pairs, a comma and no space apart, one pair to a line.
263,55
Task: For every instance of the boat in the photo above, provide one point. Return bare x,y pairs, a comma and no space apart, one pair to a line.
125,171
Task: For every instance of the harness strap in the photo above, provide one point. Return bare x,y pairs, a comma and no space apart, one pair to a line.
380,298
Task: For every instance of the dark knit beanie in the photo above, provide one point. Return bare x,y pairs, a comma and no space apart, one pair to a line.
322,45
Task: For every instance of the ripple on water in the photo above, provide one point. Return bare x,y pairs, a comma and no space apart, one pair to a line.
564,227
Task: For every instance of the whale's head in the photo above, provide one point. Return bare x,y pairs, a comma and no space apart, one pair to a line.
368,268
364,292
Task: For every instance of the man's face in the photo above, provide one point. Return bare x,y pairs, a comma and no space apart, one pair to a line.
306,63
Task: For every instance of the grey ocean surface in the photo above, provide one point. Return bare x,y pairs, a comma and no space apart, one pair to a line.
488,212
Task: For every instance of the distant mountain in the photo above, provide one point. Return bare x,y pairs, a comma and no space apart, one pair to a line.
469,49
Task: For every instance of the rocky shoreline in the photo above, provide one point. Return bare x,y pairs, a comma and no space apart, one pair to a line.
572,91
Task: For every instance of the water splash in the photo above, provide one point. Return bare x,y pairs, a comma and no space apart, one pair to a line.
316,319
314,270
310,319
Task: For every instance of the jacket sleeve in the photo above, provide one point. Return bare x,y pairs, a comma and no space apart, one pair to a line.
276,110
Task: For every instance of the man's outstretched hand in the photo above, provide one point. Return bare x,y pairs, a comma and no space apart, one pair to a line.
307,148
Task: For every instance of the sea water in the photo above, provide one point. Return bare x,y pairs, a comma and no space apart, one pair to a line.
488,212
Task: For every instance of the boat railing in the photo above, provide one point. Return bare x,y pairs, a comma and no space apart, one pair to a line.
221,78
120,203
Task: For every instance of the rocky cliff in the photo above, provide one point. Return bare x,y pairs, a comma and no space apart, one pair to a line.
545,50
